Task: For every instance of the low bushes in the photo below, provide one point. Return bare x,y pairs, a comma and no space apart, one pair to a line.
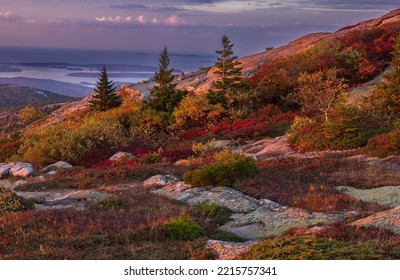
8,148
70,141
182,228
297,182
9,202
332,135
309,248
224,172
213,213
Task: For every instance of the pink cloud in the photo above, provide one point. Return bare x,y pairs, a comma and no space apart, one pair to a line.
9,16
117,19
141,19
173,20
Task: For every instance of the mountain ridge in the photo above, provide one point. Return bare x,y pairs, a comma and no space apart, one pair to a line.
61,88
12,95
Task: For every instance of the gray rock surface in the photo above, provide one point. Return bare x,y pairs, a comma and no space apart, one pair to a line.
386,196
159,181
251,219
221,196
60,199
225,197
58,165
272,223
21,169
389,219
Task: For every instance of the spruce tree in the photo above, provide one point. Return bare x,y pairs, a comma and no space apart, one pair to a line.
164,96
231,81
105,97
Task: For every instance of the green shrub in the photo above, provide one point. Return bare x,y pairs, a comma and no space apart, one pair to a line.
331,135
300,122
45,145
222,173
182,228
112,204
214,213
225,236
279,129
10,202
150,158
309,248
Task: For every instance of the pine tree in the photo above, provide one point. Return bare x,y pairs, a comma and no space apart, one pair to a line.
105,97
231,80
164,96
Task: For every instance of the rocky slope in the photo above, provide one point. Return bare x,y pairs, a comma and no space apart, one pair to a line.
203,80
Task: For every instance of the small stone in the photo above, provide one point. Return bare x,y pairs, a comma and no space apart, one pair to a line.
122,156
21,169
160,181
271,205
55,166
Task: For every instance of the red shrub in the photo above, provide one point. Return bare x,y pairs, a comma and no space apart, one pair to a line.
380,146
96,156
194,133
8,149
176,154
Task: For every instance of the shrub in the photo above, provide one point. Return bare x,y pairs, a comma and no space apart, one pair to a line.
10,202
8,149
182,228
308,248
331,135
222,173
380,146
213,213
112,204
150,158
46,145
225,236
300,122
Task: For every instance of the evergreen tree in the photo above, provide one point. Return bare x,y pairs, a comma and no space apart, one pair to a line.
164,96
231,80
105,97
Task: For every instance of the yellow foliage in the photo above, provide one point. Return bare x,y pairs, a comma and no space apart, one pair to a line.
196,110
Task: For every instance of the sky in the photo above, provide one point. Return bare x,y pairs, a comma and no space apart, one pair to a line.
190,26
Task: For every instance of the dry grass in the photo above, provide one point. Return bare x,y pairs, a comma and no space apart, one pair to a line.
383,240
310,183
128,226
88,178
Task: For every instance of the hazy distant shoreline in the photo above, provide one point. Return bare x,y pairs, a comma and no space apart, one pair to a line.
82,67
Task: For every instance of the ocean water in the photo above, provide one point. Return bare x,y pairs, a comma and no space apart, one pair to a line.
83,66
